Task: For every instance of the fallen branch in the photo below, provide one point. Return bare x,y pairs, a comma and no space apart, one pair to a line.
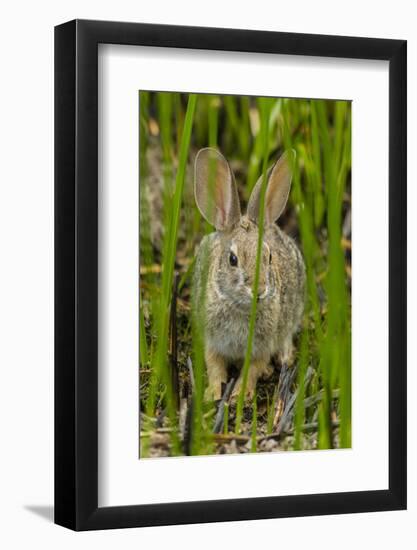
191,373
146,269
305,428
218,423
188,425
317,397
226,438
286,378
285,406
158,431
182,420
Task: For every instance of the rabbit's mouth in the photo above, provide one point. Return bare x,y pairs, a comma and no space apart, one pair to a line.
266,289
262,295
241,297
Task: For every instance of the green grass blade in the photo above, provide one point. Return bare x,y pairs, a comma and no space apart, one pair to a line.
159,370
264,106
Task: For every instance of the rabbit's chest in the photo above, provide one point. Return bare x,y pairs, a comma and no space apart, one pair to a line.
228,330
231,340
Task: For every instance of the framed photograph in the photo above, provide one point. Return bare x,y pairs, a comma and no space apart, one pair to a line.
230,284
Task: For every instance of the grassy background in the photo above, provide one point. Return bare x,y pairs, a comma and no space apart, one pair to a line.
251,133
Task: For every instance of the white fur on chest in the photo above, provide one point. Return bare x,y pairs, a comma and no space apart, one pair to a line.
227,331
231,341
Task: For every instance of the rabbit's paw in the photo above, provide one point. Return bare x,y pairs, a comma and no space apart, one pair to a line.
249,393
267,372
213,392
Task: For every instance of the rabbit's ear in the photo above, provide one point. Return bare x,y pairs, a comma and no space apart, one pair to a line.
277,190
215,189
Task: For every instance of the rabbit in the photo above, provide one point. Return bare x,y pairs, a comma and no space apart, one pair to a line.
225,269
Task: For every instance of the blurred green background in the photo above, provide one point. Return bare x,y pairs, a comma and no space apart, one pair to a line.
251,133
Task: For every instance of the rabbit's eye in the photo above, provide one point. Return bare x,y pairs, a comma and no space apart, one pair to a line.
233,260
270,259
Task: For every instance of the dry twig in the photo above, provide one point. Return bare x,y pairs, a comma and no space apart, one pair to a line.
218,423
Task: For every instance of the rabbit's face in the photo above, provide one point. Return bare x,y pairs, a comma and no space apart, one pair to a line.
237,267
234,256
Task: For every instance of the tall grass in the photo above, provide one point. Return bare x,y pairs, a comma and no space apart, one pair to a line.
251,133
159,365
264,108
325,155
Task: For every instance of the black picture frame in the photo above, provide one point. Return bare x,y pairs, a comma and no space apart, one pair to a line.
76,272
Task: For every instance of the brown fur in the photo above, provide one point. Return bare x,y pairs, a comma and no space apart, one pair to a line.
224,308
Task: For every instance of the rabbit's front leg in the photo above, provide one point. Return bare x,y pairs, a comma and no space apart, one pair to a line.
216,373
257,369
